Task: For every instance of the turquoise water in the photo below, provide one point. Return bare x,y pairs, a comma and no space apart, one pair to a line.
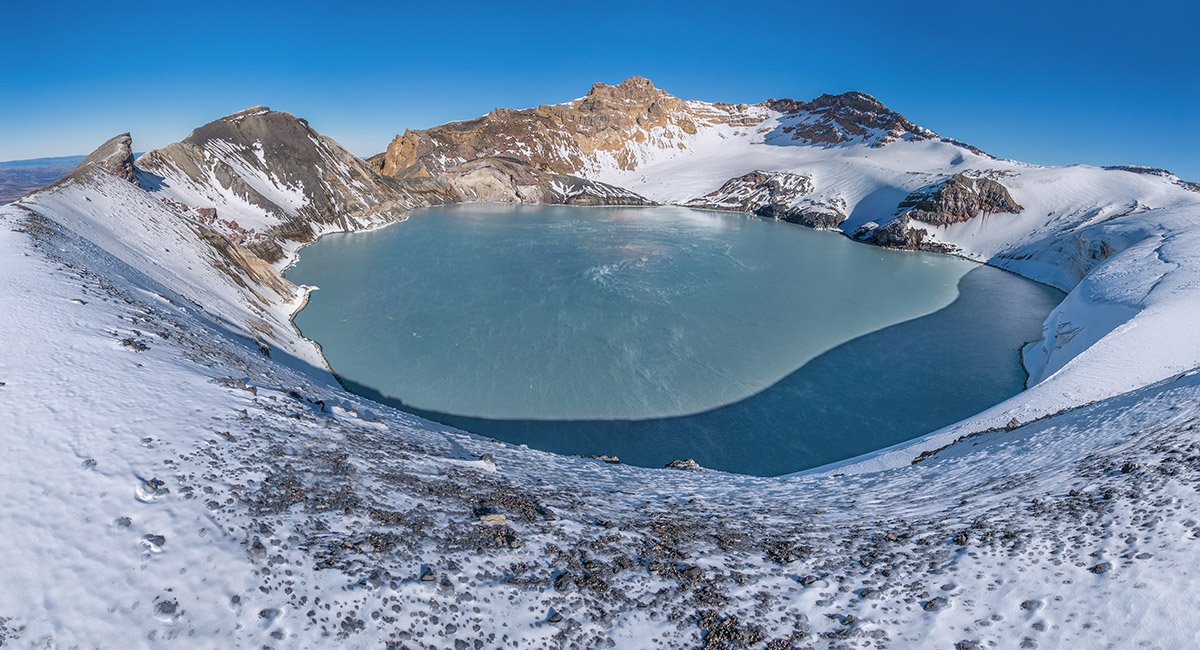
661,333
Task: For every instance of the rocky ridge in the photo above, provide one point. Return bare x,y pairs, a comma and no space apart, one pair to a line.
610,125
265,178
852,117
625,125
115,157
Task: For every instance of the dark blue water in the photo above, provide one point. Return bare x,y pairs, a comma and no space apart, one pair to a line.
661,333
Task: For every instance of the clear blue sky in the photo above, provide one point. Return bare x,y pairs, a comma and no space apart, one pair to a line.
1055,83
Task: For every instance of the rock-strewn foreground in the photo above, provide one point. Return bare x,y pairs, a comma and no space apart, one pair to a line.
181,471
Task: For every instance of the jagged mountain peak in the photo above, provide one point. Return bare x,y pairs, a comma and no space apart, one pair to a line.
115,156
852,100
632,89
850,117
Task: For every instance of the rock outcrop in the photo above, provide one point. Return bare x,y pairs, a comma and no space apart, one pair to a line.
898,233
775,195
954,199
957,199
846,118
115,157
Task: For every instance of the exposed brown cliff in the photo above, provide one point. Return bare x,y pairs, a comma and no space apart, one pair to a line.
608,125
957,199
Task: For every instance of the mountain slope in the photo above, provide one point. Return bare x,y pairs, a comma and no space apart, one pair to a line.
269,181
633,123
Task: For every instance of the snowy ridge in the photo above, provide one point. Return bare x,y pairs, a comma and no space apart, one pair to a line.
172,249
173,485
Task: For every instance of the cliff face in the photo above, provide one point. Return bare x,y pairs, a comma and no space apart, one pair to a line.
507,180
611,125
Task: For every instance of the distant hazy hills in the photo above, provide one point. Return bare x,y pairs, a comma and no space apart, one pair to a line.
20,177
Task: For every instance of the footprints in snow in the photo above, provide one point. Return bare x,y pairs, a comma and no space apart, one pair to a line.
151,491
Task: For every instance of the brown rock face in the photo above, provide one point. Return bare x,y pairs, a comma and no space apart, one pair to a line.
402,154
609,123
852,116
958,199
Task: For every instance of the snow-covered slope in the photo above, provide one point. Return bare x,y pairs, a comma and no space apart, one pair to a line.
848,162
167,246
1124,231
196,493
270,182
181,470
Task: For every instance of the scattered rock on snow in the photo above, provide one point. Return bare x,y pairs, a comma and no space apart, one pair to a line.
687,464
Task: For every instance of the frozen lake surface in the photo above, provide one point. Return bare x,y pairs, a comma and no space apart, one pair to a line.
661,333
